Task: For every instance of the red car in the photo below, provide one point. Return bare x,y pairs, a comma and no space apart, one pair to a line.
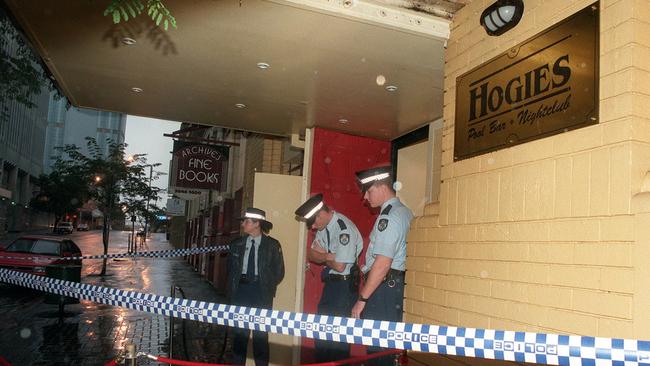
32,254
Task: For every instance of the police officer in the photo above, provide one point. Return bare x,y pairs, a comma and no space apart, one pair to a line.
255,268
383,291
337,245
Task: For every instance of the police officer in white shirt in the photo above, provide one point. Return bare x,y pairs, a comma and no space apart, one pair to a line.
381,297
337,245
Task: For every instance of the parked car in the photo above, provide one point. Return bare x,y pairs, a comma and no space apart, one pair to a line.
32,254
64,227
82,227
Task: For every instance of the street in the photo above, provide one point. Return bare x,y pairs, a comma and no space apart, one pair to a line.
31,332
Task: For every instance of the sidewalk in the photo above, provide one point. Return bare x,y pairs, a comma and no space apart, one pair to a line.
93,333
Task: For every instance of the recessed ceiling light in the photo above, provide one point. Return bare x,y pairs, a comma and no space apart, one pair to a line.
128,41
240,105
381,80
263,65
136,90
344,121
391,88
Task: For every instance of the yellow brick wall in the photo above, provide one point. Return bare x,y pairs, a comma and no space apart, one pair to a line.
272,162
254,158
264,155
545,236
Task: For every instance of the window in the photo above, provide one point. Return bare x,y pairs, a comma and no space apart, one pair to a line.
46,247
21,246
71,247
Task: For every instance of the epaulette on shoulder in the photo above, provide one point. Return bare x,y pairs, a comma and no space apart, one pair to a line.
386,210
341,224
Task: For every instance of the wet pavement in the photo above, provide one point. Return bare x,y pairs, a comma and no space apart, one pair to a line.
31,333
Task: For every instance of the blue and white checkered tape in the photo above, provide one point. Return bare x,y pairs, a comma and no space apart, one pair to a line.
152,254
550,349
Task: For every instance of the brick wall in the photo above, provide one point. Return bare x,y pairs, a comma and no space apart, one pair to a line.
254,159
264,154
550,235
272,162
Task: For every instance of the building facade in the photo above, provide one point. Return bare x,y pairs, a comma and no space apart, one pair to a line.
211,217
550,235
22,136
70,126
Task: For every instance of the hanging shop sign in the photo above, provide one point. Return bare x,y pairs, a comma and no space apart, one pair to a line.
200,168
544,86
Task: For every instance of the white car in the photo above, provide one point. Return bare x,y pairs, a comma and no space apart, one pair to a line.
82,227
64,227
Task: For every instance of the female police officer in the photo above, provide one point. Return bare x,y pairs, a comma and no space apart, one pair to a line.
255,268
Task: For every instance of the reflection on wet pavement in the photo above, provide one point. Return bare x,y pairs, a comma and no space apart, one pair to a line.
92,334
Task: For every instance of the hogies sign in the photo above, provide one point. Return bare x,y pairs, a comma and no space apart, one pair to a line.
201,167
546,85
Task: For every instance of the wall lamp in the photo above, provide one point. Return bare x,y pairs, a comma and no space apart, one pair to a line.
502,16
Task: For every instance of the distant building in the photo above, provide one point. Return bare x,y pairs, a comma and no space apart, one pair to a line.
71,126
22,137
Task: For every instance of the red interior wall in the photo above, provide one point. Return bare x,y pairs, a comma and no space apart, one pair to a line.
336,157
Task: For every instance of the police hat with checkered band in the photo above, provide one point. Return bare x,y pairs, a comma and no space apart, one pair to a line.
257,214
308,210
366,178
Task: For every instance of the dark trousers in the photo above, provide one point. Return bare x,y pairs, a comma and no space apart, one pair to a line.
386,303
249,294
337,299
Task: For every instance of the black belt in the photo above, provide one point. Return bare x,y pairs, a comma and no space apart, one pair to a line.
248,279
393,274
338,277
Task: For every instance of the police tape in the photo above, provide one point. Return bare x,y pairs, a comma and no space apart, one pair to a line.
550,349
151,254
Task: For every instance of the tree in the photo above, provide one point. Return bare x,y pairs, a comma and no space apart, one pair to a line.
122,9
112,180
62,192
21,75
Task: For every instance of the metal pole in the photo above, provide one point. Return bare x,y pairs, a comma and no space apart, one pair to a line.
146,216
171,327
132,235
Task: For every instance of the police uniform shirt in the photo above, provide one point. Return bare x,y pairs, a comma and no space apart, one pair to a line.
249,244
388,236
344,240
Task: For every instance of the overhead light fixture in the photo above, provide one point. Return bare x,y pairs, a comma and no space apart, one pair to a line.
391,88
343,121
128,41
502,16
263,65
136,90
240,105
